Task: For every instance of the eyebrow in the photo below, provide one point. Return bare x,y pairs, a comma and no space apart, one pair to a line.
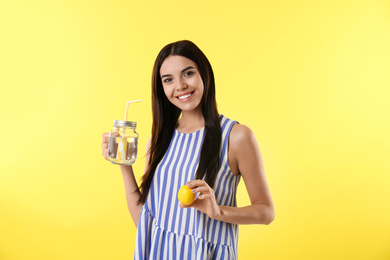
169,75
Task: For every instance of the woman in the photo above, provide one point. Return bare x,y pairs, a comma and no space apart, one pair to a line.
192,144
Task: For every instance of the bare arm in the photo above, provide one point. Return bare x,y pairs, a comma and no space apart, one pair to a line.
131,187
132,192
244,159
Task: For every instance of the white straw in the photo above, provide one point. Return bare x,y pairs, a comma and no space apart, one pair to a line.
127,106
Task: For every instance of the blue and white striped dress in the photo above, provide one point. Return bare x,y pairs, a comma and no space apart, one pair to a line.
166,231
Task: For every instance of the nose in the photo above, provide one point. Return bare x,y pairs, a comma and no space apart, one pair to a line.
181,85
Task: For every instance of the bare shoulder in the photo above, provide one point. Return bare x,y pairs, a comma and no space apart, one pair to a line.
240,135
147,155
149,143
243,148
148,146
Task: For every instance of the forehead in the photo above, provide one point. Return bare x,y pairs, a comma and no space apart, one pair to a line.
175,63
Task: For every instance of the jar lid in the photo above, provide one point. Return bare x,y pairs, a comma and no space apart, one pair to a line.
125,123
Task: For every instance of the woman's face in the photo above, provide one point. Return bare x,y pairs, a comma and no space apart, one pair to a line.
182,83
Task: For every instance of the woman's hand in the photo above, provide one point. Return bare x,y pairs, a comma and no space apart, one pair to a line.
244,159
105,145
205,202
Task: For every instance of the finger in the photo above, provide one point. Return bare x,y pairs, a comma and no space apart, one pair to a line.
104,149
184,206
204,196
105,137
196,183
201,189
105,154
104,146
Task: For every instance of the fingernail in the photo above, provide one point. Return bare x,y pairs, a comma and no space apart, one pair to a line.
189,185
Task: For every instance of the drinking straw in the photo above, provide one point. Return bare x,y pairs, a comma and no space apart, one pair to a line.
127,106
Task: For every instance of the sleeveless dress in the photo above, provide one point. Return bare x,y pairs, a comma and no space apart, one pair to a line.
166,231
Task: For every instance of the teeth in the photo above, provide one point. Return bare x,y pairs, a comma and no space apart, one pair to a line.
185,96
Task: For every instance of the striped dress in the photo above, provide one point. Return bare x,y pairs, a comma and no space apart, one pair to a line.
166,231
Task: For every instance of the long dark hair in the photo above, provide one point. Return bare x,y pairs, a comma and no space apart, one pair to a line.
166,115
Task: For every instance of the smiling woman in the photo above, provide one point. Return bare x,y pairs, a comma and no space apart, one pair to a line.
183,87
193,144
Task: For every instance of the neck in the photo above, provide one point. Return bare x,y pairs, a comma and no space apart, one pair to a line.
190,121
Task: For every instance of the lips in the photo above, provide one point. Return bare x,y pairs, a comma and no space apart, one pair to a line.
185,96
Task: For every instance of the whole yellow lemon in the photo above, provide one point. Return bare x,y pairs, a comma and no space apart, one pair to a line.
185,196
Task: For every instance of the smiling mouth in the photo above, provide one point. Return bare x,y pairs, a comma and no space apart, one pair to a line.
185,96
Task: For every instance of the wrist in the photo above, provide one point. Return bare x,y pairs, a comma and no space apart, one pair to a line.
123,166
220,213
126,169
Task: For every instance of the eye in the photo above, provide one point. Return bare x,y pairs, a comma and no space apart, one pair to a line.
189,73
167,80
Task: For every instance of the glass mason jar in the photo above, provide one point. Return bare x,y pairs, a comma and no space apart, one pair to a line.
123,143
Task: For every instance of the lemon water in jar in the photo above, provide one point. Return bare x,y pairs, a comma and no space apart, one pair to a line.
123,143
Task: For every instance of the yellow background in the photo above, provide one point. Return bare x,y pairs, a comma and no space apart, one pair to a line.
310,78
